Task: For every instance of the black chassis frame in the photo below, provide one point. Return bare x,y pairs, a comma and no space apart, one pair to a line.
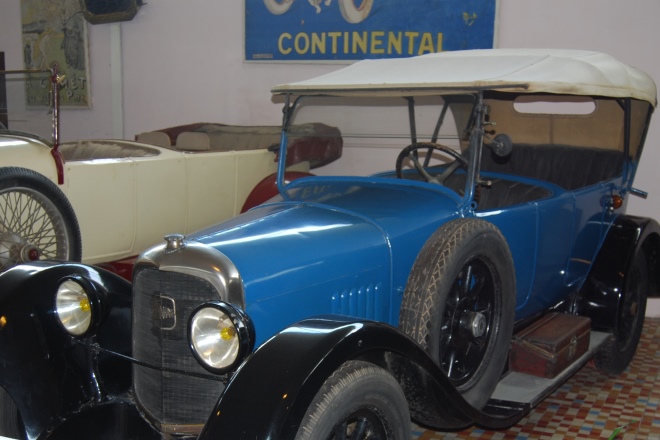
67,387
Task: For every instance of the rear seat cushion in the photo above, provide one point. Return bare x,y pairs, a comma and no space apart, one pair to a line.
237,137
154,138
193,141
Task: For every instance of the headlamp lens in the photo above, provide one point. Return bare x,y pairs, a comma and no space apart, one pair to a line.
73,307
214,338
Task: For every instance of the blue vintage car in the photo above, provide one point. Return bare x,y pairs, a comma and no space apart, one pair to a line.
348,305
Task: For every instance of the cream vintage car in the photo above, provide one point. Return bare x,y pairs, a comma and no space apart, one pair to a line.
105,200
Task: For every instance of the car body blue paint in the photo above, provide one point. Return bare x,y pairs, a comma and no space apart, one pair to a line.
346,236
346,245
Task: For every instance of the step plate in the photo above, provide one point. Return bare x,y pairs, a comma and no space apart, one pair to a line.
525,390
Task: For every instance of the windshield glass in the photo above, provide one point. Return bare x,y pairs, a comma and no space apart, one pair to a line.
25,103
375,132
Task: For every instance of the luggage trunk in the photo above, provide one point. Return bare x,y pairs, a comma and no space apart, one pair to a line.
548,346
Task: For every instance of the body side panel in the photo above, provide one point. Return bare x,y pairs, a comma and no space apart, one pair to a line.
350,254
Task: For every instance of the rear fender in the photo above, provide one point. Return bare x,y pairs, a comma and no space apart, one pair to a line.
48,373
35,155
600,295
271,391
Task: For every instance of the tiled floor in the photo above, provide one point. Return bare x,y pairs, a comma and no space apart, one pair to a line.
591,405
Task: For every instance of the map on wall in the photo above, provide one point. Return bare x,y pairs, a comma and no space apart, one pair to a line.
54,31
297,30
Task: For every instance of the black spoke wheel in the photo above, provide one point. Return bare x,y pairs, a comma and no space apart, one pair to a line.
459,304
36,220
615,356
467,321
360,401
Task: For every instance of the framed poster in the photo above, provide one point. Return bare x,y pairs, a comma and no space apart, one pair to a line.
317,30
54,31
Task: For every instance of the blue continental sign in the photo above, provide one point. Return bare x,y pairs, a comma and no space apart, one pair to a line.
296,30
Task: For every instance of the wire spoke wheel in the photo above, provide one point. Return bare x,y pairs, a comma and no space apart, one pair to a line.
36,220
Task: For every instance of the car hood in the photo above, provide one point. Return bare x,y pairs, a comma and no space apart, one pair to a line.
327,229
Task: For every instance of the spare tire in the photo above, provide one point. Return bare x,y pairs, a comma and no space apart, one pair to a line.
459,304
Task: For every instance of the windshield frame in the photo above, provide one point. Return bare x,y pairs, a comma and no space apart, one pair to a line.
54,79
475,128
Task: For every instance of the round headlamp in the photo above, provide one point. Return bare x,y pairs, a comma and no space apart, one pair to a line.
73,307
221,336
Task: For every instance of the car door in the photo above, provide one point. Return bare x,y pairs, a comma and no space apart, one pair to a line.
102,193
520,227
592,215
553,242
125,205
161,184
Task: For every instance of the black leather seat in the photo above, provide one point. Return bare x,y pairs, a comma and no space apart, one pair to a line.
568,167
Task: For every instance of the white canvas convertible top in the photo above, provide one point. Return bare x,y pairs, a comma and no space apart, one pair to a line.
575,72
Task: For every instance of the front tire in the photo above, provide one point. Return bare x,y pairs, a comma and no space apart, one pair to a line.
10,423
360,401
615,356
37,222
459,305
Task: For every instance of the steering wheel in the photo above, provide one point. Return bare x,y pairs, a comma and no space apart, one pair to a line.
410,151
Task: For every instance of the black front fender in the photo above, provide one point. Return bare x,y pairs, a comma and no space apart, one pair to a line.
268,396
47,372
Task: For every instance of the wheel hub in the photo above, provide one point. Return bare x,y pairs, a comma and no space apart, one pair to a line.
477,324
16,250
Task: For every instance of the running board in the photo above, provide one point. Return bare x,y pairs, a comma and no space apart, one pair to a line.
522,392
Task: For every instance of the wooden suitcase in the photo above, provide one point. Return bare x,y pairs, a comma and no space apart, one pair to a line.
548,346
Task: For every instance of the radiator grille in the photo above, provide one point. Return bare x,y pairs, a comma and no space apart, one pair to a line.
163,302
